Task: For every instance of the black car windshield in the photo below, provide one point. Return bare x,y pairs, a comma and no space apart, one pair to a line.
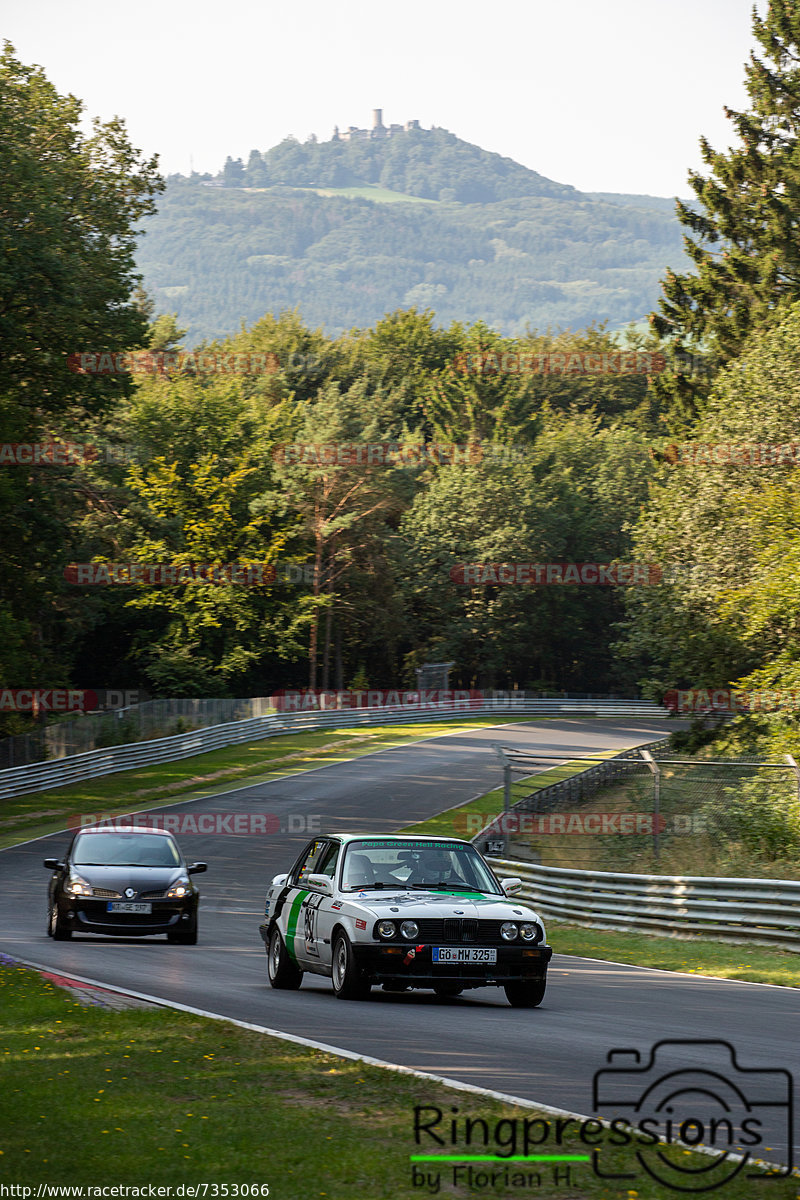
416,864
125,850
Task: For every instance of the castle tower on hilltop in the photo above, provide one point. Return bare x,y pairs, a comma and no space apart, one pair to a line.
378,130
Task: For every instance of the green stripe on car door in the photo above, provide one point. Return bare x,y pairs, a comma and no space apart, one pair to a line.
291,924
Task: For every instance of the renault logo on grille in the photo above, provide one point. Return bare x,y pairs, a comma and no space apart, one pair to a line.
130,893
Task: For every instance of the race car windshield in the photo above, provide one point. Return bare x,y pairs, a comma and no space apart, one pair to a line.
439,866
125,850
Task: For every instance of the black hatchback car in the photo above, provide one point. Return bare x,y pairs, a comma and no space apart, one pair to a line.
128,883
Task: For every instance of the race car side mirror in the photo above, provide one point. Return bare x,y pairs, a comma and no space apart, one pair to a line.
511,886
53,864
321,882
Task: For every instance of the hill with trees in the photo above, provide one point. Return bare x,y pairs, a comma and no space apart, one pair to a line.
348,231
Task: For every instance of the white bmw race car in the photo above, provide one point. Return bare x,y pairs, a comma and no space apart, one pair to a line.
403,911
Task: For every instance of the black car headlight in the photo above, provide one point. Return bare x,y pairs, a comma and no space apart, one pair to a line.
386,929
409,930
179,889
508,931
529,932
77,887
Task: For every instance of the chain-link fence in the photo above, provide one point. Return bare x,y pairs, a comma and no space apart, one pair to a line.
138,723
651,812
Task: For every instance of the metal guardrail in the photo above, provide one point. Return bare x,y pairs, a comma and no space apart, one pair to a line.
17,781
757,911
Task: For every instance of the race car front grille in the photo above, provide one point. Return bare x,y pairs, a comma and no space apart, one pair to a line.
461,930
456,930
106,893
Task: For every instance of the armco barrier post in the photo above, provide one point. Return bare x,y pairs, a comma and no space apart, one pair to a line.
796,768
498,749
656,770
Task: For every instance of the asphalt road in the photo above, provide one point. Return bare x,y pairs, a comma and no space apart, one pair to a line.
547,1055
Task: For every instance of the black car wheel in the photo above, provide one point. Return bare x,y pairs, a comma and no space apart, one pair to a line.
447,990
55,926
184,935
348,983
528,993
281,971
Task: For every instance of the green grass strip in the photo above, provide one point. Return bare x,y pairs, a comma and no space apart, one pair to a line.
96,1097
695,956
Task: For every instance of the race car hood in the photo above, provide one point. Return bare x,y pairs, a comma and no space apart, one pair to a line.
413,904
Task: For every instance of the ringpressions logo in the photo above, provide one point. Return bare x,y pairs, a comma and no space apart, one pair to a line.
650,1109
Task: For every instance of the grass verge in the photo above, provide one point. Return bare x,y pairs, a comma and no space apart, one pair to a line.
695,956
99,1097
48,811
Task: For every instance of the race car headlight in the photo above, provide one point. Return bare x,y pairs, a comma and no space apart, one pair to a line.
529,932
78,887
179,889
386,929
508,931
409,930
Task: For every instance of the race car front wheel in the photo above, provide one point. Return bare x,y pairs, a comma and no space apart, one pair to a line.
348,984
281,971
56,928
527,993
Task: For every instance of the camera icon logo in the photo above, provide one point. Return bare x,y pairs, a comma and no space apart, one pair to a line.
693,1093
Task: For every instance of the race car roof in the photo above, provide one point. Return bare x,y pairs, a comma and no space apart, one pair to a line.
395,837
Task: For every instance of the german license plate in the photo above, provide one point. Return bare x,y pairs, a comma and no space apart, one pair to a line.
465,954
125,906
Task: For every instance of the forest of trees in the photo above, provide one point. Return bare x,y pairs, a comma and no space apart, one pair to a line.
201,467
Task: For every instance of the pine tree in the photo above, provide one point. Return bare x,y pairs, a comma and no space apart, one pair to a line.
744,234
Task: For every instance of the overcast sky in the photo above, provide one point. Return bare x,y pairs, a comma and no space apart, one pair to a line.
606,95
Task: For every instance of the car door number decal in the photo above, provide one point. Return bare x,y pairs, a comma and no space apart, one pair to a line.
311,907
